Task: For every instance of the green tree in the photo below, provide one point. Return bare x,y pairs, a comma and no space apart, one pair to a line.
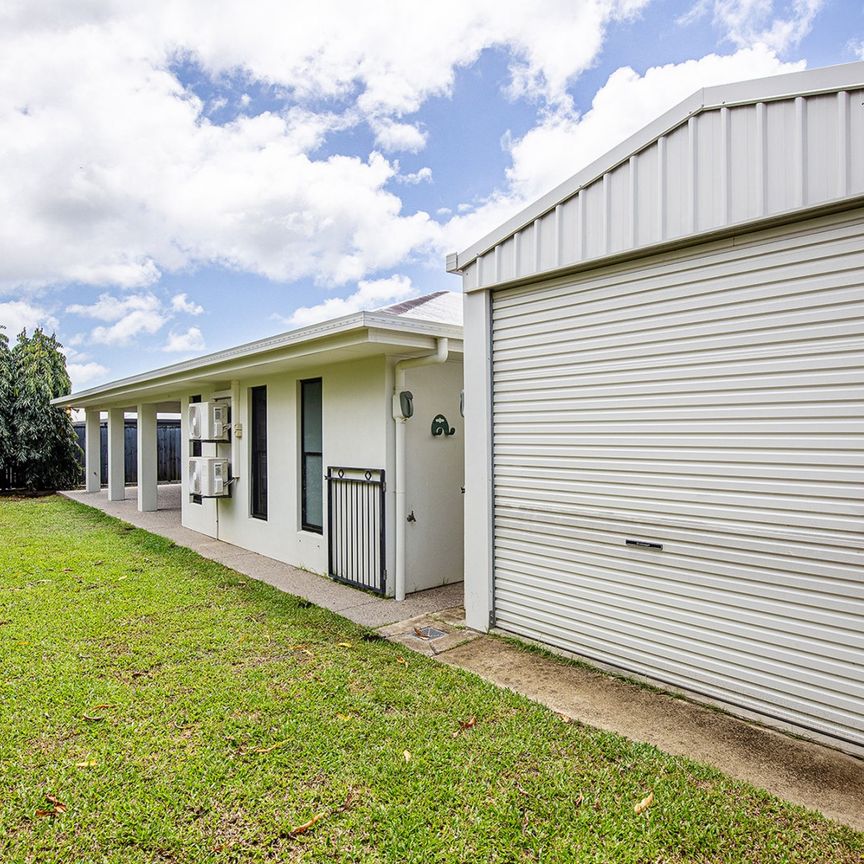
45,447
5,402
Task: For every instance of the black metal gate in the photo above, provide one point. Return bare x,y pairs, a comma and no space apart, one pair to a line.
355,527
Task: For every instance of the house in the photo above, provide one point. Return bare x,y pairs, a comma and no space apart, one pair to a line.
664,399
337,447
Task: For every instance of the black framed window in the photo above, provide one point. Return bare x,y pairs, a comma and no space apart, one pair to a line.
258,487
195,448
311,461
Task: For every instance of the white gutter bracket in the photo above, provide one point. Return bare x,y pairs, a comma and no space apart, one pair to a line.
440,356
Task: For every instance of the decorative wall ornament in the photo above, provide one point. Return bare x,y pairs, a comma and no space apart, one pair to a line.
440,426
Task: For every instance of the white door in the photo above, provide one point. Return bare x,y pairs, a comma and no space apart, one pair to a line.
678,469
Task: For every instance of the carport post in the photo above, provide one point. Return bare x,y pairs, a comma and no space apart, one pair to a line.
147,472
116,455
92,450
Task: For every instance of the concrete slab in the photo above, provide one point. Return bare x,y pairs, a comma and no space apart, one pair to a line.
800,771
450,623
359,606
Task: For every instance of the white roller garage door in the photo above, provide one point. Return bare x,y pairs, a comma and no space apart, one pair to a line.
712,404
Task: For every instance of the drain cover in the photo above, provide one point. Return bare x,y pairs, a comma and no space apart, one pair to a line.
429,632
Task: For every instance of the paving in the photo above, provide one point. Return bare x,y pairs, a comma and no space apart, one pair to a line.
432,623
361,607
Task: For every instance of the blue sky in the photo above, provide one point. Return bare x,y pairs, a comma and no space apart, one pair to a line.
189,175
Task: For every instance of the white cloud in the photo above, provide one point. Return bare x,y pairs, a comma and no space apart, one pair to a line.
746,23
82,374
128,317
181,303
128,328
111,173
17,315
856,46
390,136
111,308
370,294
423,175
566,141
191,340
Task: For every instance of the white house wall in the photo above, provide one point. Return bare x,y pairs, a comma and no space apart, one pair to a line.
724,165
435,478
354,434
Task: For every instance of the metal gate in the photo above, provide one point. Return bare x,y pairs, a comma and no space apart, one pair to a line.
355,527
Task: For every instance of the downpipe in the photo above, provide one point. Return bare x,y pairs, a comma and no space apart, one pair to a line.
440,356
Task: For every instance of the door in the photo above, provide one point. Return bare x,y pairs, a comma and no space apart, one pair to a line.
678,473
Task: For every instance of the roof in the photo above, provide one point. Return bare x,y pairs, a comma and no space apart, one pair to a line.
444,307
726,157
349,337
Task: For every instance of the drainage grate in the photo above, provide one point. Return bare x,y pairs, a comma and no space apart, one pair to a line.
429,632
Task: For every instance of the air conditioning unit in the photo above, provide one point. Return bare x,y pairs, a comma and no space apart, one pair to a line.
209,477
209,421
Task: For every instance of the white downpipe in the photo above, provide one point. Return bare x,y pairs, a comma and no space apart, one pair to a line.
440,356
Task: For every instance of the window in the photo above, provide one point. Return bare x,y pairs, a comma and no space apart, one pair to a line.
311,463
258,401
195,449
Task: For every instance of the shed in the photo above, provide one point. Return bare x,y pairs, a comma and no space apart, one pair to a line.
337,447
663,396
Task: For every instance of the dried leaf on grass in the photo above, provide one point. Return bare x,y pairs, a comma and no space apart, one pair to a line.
407,756
579,800
302,829
87,763
56,809
306,826
271,747
644,804
465,725
344,644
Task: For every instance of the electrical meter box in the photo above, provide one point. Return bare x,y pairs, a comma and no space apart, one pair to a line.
209,421
209,477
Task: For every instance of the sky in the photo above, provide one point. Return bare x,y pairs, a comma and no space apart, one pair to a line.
180,176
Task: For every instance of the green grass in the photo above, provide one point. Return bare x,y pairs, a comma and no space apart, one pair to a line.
184,713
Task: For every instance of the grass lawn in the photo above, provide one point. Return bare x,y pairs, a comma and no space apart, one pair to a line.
158,707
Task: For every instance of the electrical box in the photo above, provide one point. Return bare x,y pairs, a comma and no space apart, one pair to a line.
209,477
209,421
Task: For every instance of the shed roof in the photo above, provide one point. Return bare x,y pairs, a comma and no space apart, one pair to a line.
726,157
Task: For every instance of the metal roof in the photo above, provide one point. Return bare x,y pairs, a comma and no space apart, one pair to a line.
727,156
342,338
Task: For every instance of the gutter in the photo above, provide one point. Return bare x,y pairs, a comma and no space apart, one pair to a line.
401,462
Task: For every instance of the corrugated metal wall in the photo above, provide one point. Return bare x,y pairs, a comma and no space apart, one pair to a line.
712,403
723,166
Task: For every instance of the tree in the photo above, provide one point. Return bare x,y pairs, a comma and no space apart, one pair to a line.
6,374
45,447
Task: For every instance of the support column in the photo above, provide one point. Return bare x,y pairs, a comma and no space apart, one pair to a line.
116,455
147,473
92,450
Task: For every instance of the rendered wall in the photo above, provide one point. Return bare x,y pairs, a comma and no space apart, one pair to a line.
354,434
435,479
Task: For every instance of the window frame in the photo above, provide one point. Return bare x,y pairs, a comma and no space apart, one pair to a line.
255,453
305,524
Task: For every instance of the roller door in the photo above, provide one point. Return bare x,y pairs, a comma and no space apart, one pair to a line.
678,467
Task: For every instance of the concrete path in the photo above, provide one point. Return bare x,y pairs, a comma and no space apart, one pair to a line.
358,606
809,774
814,776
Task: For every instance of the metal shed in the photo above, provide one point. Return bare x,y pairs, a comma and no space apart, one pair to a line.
664,374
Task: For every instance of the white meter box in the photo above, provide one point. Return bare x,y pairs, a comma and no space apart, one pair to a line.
209,421
209,477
